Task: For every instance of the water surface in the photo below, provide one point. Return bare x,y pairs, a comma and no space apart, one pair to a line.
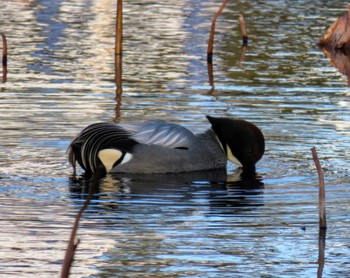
60,78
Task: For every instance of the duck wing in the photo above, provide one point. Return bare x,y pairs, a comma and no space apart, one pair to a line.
160,133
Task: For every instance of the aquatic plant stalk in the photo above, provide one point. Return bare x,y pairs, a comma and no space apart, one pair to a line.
119,28
321,251
243,29
4,58
118,51
212,32
322,194
73,244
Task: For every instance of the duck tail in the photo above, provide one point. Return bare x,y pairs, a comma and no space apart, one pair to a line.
85,148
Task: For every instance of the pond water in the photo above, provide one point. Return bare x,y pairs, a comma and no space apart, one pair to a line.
61,78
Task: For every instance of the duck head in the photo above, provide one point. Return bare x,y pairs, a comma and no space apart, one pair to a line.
242,141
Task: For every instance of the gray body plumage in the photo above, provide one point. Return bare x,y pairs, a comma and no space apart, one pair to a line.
170,148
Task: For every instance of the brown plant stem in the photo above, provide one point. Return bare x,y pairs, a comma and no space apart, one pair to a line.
118,45
118,56
212,32
321,251
321,194
119,28
72,245
4,57
244,30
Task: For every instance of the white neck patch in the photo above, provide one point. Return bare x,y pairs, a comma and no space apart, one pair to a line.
231,157
127,158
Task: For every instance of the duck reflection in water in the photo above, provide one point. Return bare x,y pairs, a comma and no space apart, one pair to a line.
223,193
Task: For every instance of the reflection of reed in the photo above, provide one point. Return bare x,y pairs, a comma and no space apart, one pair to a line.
119,88
4,58
243,52
321,251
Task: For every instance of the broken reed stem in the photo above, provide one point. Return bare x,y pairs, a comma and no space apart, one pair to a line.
321,251
321,192
244,30
212,32
72,246
4,57
4,49
118,49
119,28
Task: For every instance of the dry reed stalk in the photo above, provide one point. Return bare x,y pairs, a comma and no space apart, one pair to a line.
118,54
212,32
321,194
72,245
119,29
244,30
321,251
4,57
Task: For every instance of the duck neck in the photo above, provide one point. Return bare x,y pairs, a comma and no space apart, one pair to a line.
210,133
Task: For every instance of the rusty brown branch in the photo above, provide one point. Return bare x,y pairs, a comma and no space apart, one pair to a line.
118,53
119,28
72,245
321,196
212,32
321,251
244,30
4,57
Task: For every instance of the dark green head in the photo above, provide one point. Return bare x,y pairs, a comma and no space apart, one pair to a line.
242,141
